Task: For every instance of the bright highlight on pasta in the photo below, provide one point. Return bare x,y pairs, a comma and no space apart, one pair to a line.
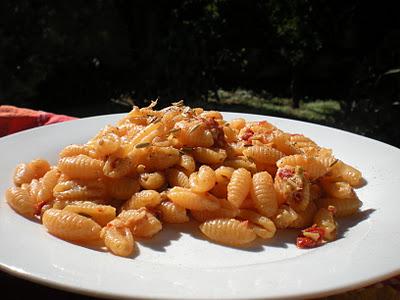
240,180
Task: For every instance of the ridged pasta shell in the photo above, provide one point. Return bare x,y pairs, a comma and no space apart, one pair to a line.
263,154
70,226
228,231
118,239
263,194
21,201
239,186
172,213
81,166
191,200
311,166
344,207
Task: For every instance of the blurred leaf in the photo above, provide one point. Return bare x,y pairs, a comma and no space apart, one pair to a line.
393,71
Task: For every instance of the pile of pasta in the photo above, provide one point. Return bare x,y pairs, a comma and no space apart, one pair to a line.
240,180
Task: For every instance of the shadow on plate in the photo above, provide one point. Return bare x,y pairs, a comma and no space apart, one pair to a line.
160,241
173,232
345,223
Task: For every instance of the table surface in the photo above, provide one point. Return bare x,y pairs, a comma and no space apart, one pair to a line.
16,288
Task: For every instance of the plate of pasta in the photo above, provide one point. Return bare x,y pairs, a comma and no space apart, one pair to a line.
186,203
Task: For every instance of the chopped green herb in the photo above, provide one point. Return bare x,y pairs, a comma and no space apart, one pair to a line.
332,164
256,137
194,128
179,103
142,145
187,149
174,130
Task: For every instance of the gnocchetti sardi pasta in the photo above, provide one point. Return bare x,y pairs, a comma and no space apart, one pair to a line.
239,180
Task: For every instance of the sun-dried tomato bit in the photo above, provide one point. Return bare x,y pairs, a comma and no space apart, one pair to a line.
263,123
298,195
247,135
38,208
210,122
216,130
310,237
316,229
245,223
285,173
305,243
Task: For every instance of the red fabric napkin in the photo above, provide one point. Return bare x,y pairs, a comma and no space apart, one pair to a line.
14,119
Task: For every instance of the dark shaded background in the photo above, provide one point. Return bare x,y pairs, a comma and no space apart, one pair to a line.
74,57
86,57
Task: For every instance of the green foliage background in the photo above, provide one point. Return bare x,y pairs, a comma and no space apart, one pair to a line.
74,57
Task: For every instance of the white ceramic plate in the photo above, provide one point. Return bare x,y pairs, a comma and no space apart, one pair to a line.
178,263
